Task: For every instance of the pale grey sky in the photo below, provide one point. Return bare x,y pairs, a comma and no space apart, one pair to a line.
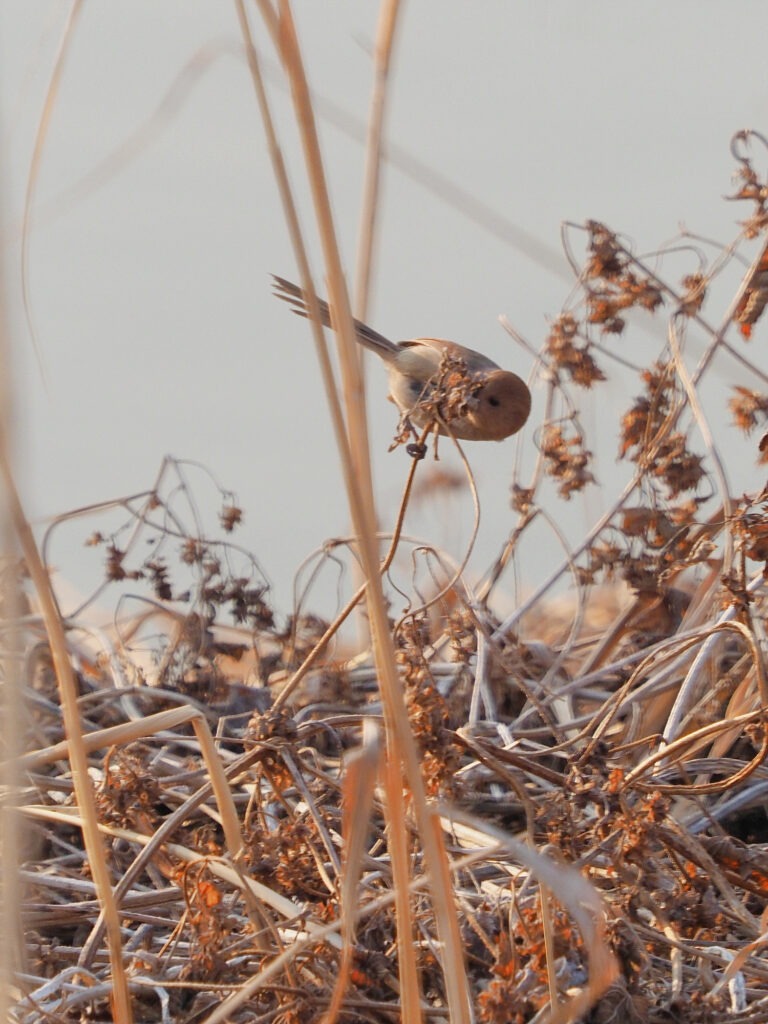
149,285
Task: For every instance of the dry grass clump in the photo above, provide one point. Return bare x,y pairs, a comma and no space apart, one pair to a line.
571,761
559,815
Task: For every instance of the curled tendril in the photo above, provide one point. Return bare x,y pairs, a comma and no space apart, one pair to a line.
743,138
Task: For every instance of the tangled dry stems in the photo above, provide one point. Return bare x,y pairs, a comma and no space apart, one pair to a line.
629,742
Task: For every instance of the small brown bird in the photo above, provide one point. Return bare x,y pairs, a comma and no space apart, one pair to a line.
496,402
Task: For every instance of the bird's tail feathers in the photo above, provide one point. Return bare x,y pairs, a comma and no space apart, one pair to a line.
294,296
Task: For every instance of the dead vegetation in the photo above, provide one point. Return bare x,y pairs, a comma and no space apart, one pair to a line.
591,777
628,743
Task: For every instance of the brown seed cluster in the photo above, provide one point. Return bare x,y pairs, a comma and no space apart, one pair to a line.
649,440
612,284
568,351
567,460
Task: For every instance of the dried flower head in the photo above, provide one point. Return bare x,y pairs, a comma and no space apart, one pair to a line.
754,296
748,408
566,352
230,517
695,286
567,460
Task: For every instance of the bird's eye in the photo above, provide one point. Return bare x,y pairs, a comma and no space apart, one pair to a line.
493,400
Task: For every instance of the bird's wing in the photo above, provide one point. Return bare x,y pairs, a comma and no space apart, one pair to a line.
476,361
